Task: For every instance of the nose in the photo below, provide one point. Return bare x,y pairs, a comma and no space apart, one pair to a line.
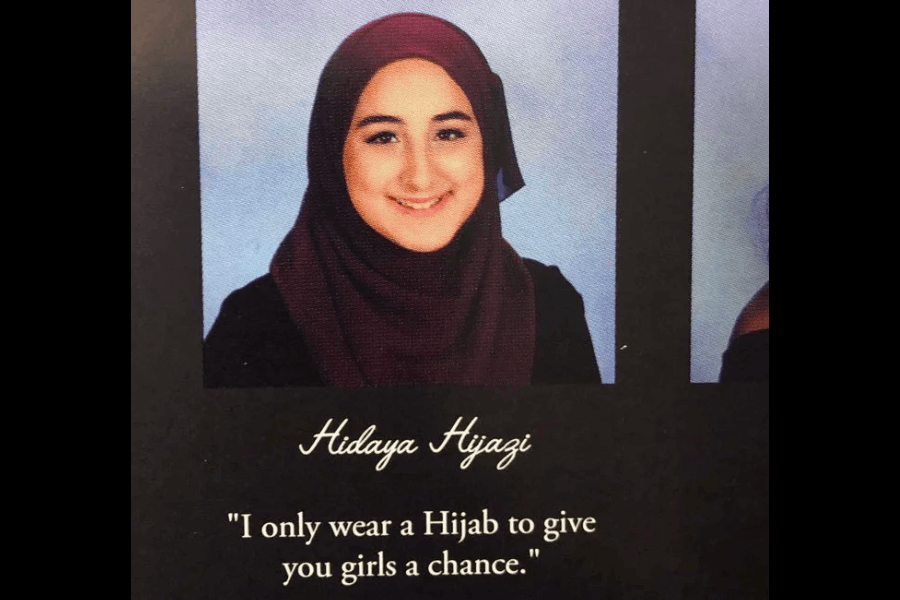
418,170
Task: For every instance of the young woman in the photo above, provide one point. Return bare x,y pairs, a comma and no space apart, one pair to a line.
396,270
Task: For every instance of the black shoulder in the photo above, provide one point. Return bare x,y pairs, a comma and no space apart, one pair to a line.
255,303
254,342
564,352
746,358
550,284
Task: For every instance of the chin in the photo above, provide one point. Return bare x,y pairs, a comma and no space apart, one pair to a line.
422,243
423,247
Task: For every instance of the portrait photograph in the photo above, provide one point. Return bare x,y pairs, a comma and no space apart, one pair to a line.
407,193
730,290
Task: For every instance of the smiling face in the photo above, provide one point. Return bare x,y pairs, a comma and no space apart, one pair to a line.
413,158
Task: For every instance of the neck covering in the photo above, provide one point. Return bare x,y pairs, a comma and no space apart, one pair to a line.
372,312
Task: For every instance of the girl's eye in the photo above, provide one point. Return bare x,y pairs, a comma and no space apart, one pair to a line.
450,134
383,137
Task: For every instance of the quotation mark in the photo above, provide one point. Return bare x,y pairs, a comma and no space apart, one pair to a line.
534,552
233,517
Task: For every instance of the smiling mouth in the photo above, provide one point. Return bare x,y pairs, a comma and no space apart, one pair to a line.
424,204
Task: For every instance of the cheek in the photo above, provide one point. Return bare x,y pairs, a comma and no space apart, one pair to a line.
467,170
366,173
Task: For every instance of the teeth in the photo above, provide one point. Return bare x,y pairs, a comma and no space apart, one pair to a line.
419,205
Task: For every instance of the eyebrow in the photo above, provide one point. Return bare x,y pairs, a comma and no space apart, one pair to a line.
447,116
377,119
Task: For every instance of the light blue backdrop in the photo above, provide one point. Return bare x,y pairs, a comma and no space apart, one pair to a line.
258,65
731,164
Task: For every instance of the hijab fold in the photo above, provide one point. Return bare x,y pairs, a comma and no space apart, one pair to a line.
372,312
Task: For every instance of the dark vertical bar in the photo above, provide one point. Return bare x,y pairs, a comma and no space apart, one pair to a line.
165,291
654,188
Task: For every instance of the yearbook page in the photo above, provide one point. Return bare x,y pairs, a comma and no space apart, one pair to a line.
454,300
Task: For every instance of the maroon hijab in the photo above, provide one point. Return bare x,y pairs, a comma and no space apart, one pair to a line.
371,312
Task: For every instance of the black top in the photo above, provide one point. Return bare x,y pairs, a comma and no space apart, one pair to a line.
254,343
747,358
